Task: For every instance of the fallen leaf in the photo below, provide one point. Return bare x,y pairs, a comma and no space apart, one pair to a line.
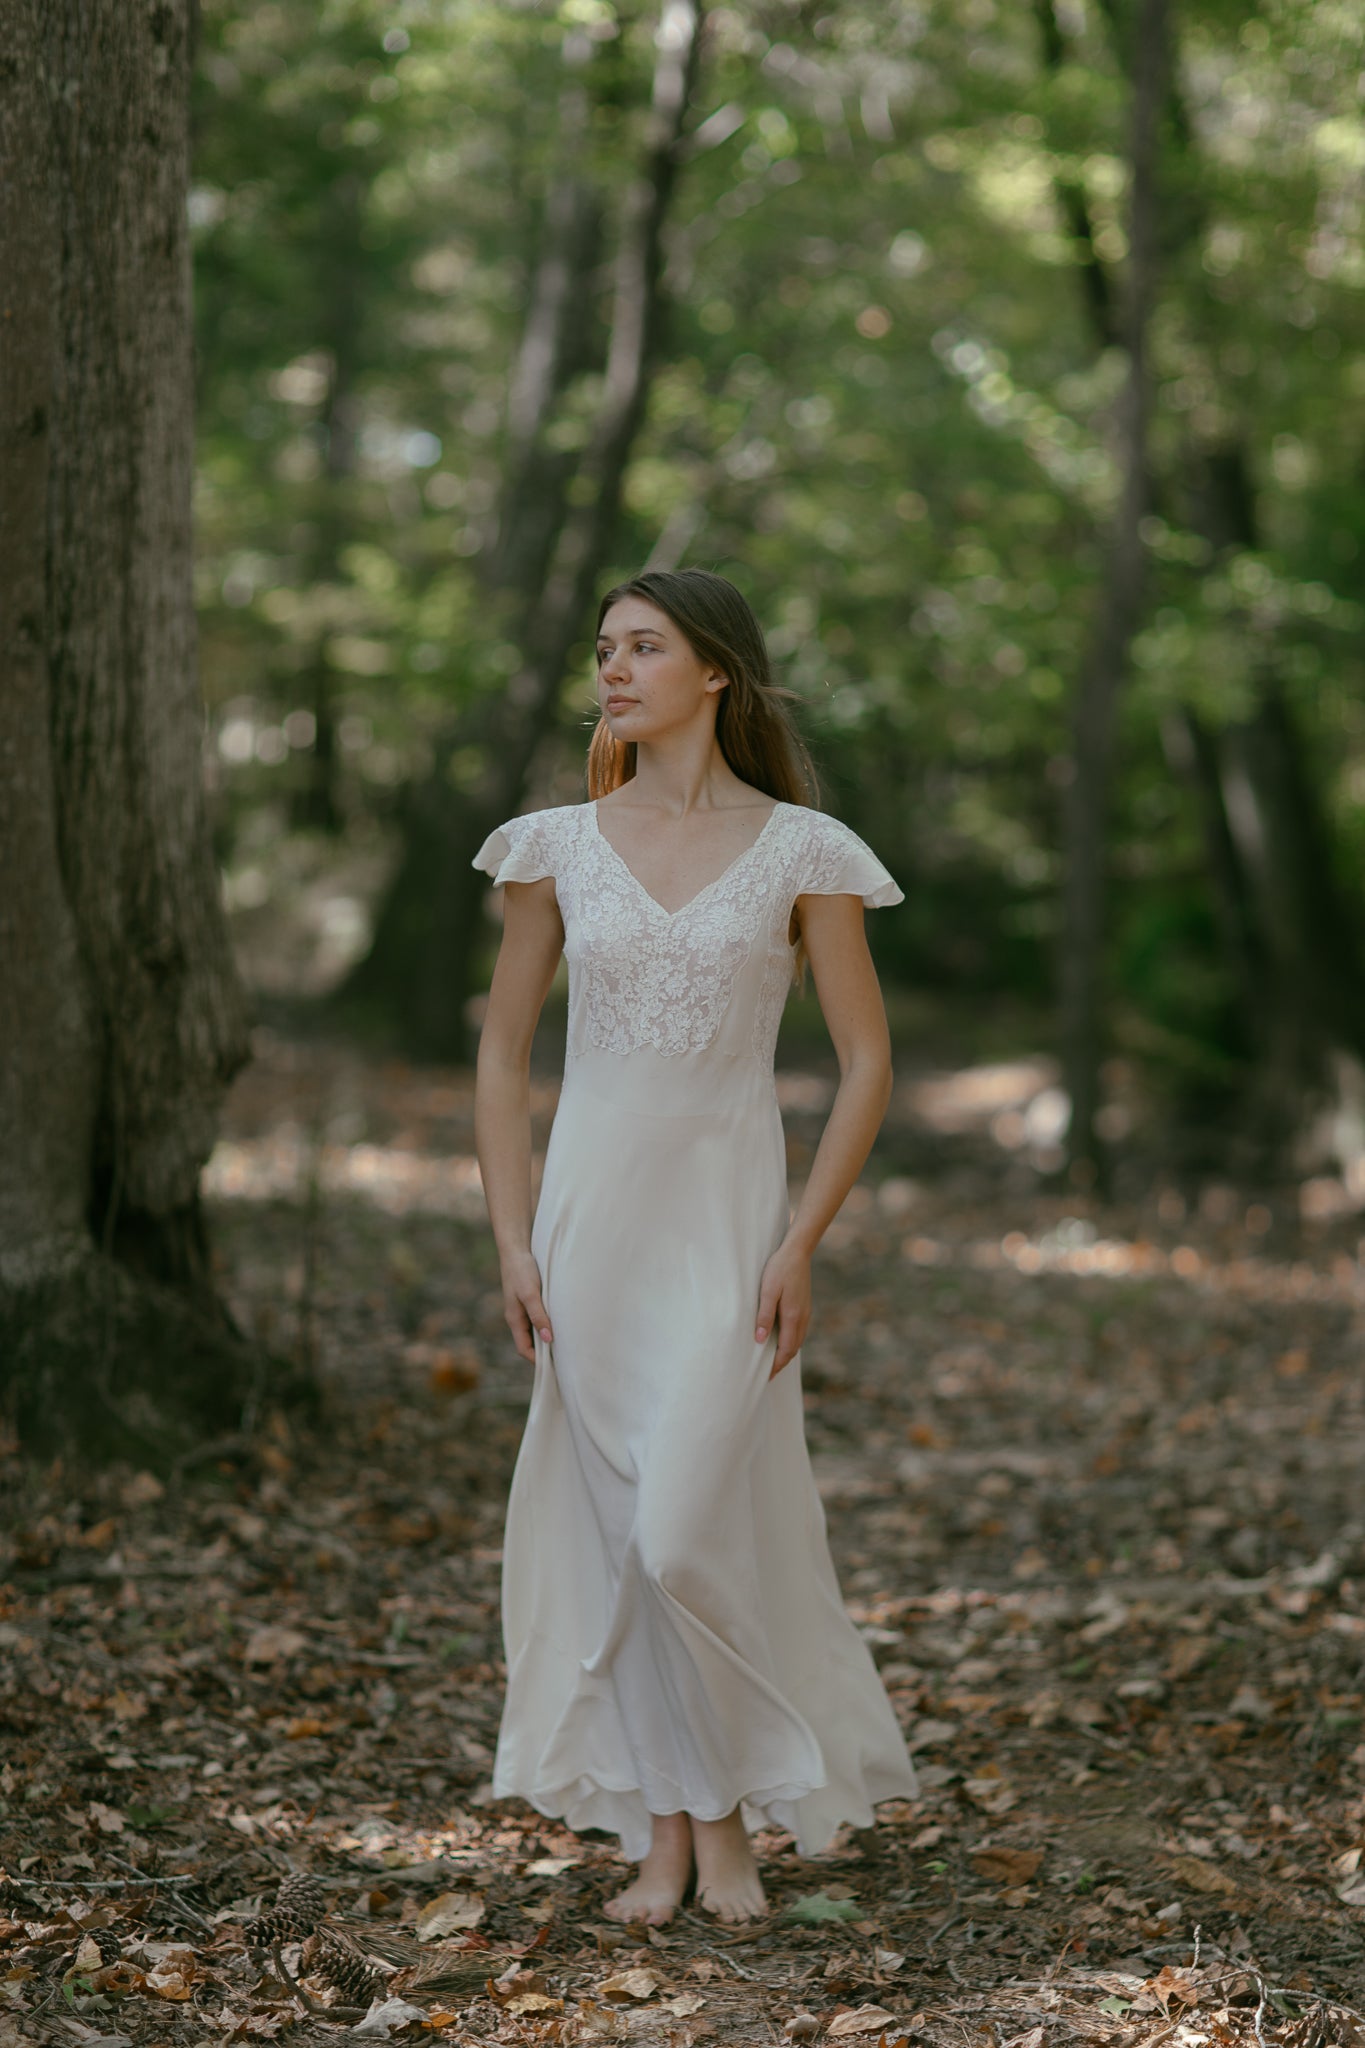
817,1906
390,2016
864,2019
1171,1984
639,1983
107,1819
454,1371
1007,1866
1201,1875
169,1984
273,1643
141,1490
684,2006
992,1795
1352,1893
533,2001
449,1914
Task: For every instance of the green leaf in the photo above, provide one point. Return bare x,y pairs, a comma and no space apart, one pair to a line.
151,1816
817,1906
1115,2005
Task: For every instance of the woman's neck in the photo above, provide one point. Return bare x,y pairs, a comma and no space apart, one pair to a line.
680,776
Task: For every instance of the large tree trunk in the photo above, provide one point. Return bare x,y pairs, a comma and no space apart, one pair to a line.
552,540
121,1018
1121,596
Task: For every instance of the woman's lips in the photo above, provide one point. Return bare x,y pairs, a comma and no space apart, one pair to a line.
619,703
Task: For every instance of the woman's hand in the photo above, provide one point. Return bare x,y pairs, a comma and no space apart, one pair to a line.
784,1303
522,1304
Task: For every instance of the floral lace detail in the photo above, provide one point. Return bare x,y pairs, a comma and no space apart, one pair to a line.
645,977
654,977
817,857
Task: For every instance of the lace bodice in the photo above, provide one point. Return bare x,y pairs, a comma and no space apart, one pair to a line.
714,973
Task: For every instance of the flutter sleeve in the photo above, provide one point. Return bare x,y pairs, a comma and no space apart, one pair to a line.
521,850
838,863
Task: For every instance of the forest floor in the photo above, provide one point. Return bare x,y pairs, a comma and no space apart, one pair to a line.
1093,1477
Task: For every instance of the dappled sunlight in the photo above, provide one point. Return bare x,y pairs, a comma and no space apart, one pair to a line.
389,1177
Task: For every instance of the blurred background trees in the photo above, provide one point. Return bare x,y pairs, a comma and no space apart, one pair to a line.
498,301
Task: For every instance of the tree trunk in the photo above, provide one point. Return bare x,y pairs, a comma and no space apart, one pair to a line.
315,803
121,1016
1087,807
542,571
1288,926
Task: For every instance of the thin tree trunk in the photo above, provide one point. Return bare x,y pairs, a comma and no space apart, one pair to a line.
1121,597
121,1017
316,802
421,964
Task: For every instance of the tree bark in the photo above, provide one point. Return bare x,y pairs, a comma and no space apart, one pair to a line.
541,571
121,1017
1120,605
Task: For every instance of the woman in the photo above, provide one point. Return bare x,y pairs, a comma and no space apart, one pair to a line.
676,1641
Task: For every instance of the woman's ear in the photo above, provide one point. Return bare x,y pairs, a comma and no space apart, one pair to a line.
716,682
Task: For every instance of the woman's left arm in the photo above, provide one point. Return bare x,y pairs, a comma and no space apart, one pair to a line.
846,983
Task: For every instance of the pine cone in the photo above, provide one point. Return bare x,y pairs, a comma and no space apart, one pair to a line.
299,1904
341,1966
108,1944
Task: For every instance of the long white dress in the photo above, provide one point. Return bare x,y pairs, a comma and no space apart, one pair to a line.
675,1636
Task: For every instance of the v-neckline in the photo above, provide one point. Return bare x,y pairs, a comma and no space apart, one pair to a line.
706,889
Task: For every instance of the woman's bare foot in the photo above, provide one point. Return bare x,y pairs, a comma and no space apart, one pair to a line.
661,1879
728,1883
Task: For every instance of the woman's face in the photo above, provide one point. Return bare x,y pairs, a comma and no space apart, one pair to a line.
650,681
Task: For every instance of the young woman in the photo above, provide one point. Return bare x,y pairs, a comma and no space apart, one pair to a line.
676,1641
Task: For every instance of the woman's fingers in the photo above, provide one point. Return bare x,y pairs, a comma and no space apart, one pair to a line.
791,1330
540,1321
525,1315
519,1325
524,1305
767,1310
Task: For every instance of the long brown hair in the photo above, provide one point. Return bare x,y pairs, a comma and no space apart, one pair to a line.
754,728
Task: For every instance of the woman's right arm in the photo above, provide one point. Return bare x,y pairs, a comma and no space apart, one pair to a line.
532,941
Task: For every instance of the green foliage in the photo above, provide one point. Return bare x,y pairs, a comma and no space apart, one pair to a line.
884,406
816,1907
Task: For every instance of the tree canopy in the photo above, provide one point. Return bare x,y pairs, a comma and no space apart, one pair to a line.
884,402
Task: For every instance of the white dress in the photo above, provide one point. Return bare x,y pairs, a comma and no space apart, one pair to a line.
675,1636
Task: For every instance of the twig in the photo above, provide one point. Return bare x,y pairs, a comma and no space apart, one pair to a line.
1260,2009
943,1926
305,1998
738,1968
171,1883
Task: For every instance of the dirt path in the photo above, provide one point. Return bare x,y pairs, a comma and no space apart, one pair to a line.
1094,1489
